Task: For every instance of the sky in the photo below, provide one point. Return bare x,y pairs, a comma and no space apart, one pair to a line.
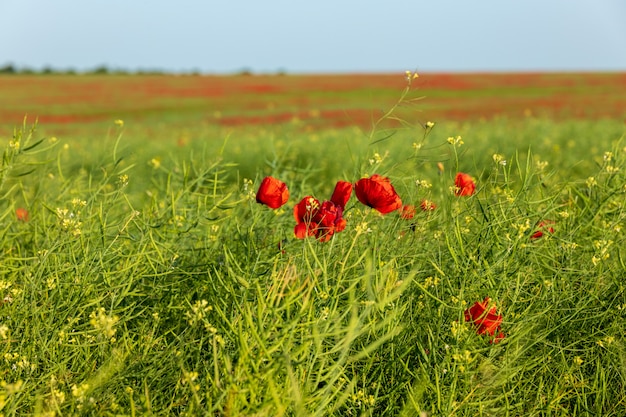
321,36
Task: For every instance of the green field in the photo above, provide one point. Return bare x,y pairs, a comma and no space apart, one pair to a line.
141,277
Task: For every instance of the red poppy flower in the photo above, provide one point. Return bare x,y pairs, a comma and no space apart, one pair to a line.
465,185
378,193
21,214
543,226
325,219
427,205
407,212
272,192
486,321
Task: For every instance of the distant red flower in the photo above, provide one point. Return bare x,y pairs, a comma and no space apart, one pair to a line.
407,212
543,226
21,214
485,321
325,219
378,193
427,205
465,185
272,192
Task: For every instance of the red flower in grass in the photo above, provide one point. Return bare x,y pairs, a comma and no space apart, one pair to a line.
485,319
427,205
325,219
407,212
378,193
21,214
543,226
465,185
272,192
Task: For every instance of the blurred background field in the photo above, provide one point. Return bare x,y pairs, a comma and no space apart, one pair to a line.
313,102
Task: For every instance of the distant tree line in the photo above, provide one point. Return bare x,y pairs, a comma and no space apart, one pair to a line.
101,69
105,70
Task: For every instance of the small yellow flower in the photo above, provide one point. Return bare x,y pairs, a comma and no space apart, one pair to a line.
10,389
541,165
499,159
78,203
362,228
591,182
4,330
123,180
119,122
79,391
522,228
411,75
423,184
455,141
155,162
377,158
466,356
578,360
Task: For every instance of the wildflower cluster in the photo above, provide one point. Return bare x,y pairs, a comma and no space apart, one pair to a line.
104,323
323,219
199,313
69,220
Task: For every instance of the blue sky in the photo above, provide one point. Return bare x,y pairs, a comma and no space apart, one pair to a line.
316,36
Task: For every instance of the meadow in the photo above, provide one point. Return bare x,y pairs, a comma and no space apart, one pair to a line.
338,245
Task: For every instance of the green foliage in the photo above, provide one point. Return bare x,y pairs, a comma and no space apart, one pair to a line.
149,281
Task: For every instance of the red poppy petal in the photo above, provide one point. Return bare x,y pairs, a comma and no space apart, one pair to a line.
303,230
340,225
342,193
306,209
300,230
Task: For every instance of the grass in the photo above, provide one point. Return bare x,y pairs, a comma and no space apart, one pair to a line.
148,281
